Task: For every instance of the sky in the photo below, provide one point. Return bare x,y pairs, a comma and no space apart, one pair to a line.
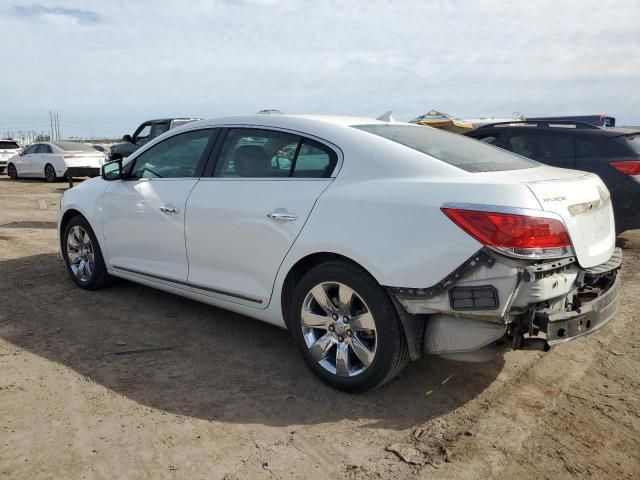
107,65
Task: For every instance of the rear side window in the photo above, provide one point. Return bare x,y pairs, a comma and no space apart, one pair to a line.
598,148
490,138
451,148
314,160
549,148
4,145
257,153
44,149
634,142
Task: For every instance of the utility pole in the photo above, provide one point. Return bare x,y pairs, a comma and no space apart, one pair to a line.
51,126
58,125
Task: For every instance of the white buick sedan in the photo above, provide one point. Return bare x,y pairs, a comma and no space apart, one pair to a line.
373,242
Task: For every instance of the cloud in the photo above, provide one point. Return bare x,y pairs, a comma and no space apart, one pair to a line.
206,58
80,16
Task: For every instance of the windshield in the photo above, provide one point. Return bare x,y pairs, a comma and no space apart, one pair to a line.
4,145
74,147
457,150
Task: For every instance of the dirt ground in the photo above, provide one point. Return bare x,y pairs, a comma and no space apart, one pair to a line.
130,382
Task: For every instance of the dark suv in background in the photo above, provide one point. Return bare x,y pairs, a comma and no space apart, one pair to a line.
146,131
611,153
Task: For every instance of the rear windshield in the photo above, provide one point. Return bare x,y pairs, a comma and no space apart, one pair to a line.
457,150
4,145
74,147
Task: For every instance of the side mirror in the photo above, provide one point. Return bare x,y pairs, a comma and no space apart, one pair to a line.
112,170
127,138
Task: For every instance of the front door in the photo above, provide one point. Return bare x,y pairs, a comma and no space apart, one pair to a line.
242,221
24,161
144,214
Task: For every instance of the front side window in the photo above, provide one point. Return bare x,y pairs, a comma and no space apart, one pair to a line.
31,149
143,133
456,150
175,157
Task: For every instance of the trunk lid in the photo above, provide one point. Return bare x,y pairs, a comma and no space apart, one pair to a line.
583,202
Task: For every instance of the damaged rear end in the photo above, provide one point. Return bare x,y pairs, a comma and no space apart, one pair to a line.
544,276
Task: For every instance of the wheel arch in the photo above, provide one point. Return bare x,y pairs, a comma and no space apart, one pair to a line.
68,215
410,323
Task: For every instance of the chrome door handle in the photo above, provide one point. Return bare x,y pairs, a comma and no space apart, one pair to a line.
282,215
169,210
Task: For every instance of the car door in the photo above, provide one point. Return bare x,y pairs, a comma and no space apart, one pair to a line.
40,159
242,220
23,162
142,134
551,148
143,214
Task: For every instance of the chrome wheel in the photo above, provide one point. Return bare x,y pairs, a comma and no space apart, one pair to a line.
80,253
338,329
49,172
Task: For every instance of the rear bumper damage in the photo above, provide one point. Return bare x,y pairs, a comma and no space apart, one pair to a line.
494,302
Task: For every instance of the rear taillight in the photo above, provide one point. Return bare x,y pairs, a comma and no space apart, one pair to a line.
515,235
628,167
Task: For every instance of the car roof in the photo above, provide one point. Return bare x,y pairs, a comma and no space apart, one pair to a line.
293,121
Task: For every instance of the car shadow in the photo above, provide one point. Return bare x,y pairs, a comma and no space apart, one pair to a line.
187,358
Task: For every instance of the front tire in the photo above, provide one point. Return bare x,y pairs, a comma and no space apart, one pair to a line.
12,172
83,256
346,327
50,173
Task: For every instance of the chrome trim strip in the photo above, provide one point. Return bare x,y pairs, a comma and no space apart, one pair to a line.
189,284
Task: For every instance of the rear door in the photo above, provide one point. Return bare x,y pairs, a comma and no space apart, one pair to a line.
242,220
551,148
41,158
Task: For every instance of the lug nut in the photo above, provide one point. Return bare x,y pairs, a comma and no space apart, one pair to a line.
340,338
349,333
334,316
345,319
331,328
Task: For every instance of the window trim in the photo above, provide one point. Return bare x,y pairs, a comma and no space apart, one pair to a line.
209,169
213,140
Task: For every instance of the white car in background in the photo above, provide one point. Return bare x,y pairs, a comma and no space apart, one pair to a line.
373,242
8,148
50,160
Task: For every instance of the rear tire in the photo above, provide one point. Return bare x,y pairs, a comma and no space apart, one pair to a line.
50,174
83,256
345,326
12,172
